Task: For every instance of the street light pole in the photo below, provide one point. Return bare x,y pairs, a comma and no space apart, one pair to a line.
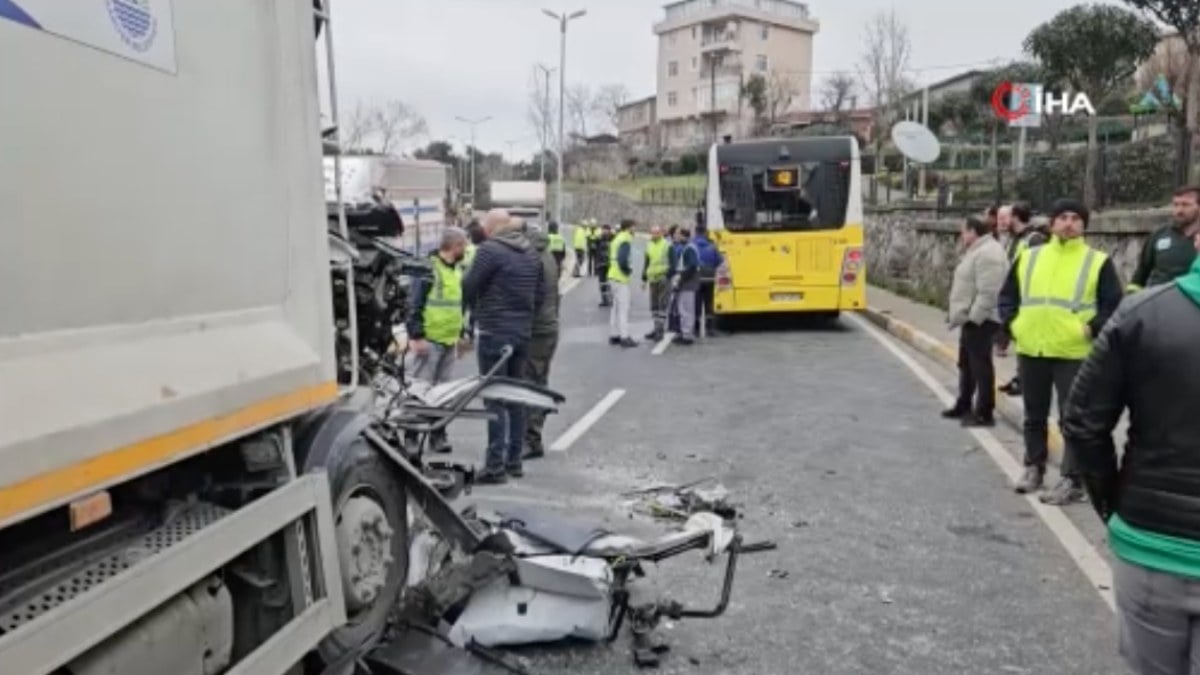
546,119
472,150
563,20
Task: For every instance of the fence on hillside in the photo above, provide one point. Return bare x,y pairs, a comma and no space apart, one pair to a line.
673,196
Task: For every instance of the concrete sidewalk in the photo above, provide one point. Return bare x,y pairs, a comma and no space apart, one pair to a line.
924,328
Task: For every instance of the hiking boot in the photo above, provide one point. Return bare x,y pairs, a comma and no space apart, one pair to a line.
534,452
684,342
628,343
489,478
614,341
978,421
1031,481
516,472
1067,491
654,335
955,413
1013,388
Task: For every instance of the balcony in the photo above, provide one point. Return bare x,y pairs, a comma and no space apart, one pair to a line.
718,42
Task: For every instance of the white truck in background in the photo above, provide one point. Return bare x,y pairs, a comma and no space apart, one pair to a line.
525,199
417,188
183,487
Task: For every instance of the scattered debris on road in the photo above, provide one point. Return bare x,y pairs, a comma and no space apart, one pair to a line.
679,502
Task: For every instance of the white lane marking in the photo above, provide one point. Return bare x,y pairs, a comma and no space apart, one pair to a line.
584,423
566,285
663,344
1086,557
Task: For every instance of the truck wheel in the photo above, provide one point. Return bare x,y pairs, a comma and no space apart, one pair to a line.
371,522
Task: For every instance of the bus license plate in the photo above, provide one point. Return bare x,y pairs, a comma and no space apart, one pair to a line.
787,297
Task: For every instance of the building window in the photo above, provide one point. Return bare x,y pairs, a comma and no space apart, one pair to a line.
672,69
693,32
672,99
760,63
764,31
695,63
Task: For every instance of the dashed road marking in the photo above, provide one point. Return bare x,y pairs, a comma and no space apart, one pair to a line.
1086,557
584,423
663,344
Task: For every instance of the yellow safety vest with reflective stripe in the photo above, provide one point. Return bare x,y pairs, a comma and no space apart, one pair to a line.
579,237
614,268
468,256
443,307
656,260
1058,283
557,244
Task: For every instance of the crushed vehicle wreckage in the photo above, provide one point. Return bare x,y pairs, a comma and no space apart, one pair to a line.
478,581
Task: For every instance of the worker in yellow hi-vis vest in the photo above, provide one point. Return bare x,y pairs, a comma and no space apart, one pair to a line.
654,278
1056,300
620,269
579,242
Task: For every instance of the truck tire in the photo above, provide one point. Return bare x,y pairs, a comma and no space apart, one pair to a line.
371,520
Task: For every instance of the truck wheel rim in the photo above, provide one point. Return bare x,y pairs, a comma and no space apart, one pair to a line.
365,550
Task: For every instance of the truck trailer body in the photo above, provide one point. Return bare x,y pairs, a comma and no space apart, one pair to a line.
165,327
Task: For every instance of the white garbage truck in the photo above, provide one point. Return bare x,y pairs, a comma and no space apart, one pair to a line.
183,489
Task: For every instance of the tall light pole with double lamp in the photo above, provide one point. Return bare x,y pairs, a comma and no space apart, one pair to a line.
563,20
472,150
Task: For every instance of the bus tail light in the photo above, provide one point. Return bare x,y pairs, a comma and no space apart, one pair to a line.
852,264
724,279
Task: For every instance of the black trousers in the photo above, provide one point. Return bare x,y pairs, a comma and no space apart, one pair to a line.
1042,378
704,304
976,371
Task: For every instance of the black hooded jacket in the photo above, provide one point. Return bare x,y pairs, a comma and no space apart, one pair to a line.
505,288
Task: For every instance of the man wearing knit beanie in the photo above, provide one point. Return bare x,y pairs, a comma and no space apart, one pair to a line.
1057,298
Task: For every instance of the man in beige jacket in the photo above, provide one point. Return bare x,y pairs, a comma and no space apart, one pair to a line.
973,298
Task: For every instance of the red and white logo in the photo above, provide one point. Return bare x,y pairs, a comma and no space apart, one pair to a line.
1024,103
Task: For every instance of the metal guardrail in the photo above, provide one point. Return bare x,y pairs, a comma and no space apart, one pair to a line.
674,196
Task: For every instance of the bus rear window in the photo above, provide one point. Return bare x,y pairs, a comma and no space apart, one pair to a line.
752,199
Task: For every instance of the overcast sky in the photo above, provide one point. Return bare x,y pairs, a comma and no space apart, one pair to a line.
474,58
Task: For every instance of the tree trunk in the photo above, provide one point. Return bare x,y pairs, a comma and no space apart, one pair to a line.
1089,175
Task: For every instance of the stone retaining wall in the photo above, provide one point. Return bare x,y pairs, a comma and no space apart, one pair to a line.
914,253
610,207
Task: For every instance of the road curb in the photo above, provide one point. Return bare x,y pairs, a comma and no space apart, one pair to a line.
948,356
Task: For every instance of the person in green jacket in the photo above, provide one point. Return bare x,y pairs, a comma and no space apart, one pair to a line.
1169,253
1145,363
579,242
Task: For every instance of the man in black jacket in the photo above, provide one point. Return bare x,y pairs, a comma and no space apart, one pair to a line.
505,289
1146,362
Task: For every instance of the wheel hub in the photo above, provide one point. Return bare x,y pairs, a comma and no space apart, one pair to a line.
365,549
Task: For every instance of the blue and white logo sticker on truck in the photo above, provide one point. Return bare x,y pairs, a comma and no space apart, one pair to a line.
139,30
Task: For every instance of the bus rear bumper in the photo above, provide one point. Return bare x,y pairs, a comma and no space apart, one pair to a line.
773,300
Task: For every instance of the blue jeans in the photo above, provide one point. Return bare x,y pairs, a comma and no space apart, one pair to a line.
506,433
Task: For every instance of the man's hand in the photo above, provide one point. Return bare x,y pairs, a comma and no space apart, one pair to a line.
1087,331
419,347
464,346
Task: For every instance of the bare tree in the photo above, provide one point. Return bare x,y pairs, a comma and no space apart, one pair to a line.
837,91
781,91
396,123
580,107
540,112
607,104
356,128
884,69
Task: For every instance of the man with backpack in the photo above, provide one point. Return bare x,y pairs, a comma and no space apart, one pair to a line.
709,260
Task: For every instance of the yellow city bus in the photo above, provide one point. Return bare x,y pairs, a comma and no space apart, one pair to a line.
787,215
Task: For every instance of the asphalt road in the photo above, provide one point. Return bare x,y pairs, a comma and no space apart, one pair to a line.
901,547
